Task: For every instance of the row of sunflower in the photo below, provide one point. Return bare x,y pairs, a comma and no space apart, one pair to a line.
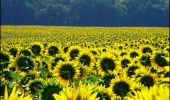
50,71
84,64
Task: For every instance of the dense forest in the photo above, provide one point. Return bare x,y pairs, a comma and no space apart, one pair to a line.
85,12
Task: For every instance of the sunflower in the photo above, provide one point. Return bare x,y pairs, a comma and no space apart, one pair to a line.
82,92
13,51
25,52
157,92
34,86
106,63
83,72
147,49
86,59
134,53
159,59
14,95
37,48
122,85
51,87
131,69
53,49
145,60
66,72
146,78
124,61
5,60
73,52
24,63
104,93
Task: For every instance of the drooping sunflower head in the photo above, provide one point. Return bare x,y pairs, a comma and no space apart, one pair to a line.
74,51
66,72
24,63
53,49
49,89
37,48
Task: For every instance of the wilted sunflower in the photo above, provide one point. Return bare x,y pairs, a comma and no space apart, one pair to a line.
14,95
53,49
157,92
74,52
37,48
66,72
82,92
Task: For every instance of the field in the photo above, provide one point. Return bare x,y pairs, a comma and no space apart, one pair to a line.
84,63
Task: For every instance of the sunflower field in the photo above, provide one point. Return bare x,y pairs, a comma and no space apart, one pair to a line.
84,63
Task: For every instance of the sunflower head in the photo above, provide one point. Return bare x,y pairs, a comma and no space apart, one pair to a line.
49,89
25,52
160,60
145,60
25,63
147,49
53,49
66,71
74,52
35,86
5,60
13,51
36,48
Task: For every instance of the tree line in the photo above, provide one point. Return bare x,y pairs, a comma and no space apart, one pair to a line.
85,12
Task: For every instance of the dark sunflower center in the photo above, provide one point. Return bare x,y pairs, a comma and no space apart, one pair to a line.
74,53
4,60
13,51
49,90
35,87
65,49
107,64
167,74
94,52
131,70
121,88
107,78
147,81
36,49
67,72
125,63
147,50
160,60
25,63
25,52
134,54
120,47
123,53
85,60
56,60
103,96
53,50
145,61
